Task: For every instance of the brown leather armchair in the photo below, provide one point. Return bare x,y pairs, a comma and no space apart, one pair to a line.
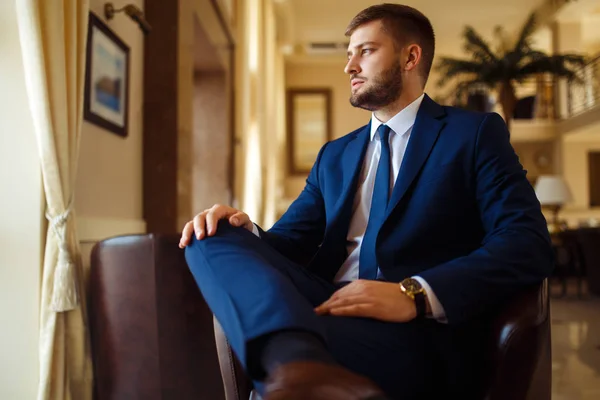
153,336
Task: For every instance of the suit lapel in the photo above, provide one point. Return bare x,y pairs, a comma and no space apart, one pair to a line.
426,130
335,237
352,161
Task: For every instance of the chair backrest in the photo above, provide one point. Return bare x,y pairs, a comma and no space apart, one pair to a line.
152,336
519,352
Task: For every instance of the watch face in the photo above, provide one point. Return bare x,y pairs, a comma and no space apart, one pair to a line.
412,285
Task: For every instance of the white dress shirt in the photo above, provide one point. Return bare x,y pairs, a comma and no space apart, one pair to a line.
401,126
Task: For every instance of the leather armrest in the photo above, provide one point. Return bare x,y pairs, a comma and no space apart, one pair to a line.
520,337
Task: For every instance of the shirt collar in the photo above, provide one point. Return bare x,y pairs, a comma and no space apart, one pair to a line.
401,122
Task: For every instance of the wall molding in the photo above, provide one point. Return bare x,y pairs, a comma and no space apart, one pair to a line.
93,229
532,130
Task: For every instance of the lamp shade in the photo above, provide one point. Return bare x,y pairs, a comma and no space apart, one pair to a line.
552,190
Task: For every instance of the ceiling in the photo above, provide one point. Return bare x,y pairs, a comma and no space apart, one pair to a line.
326,20
304,21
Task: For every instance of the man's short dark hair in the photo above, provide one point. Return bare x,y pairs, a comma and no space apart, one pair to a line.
405,24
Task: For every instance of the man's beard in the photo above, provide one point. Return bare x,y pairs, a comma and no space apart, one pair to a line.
384,90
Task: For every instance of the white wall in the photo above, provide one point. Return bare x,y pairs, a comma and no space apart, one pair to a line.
575,170
109,181
210,143
20,221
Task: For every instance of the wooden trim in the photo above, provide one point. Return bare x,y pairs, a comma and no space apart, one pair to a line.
160,135
226,27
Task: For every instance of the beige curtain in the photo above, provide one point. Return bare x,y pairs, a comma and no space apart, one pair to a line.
53,40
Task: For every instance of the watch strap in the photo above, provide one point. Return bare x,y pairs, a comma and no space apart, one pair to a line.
421,305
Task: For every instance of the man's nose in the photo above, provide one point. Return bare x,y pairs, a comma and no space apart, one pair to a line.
352,67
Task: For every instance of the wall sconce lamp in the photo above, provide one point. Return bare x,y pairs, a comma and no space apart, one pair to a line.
132,11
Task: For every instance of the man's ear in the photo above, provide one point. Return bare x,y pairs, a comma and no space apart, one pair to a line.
412,57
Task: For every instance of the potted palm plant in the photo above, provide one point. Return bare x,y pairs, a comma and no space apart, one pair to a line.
505,67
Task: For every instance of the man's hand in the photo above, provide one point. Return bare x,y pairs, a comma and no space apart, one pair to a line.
370,299
205,223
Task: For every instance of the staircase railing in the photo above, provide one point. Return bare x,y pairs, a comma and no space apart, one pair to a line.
584,95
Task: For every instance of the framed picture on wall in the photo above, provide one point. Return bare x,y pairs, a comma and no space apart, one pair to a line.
106,101
309,126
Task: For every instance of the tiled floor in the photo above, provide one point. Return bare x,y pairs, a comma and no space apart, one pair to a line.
575,346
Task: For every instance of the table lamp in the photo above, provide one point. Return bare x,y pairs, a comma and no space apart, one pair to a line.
552,192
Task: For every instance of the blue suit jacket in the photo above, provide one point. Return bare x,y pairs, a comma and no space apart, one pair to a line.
462,214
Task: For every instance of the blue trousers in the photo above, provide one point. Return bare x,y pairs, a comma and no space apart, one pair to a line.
253,290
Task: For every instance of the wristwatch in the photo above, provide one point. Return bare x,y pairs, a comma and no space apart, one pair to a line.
413,289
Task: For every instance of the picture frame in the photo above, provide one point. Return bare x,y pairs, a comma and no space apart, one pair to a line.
308,126
106,93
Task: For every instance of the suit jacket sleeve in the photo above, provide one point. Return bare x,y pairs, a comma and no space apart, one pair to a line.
516,249
299,232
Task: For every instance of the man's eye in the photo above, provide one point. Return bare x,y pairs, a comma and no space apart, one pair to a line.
366,51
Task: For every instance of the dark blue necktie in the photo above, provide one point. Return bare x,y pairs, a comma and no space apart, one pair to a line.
381,192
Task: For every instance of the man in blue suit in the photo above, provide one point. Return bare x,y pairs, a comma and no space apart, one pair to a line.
380,280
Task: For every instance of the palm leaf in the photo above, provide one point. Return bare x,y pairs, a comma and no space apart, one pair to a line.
502,47
452,67
477,46
564,65
512,60
523,44
496,73
532,55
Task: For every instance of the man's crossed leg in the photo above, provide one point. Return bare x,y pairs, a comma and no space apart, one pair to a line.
265,304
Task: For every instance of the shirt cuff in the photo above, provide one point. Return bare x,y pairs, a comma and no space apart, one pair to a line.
436,307
255,230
